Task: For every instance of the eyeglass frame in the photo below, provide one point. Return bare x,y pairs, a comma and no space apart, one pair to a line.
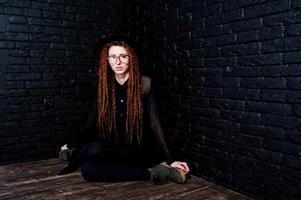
120,57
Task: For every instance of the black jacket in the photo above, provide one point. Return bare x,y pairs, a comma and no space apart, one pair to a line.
153,142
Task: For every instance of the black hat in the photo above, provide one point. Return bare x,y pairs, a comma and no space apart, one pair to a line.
128,40
110,38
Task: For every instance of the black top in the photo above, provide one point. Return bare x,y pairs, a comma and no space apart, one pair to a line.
152,143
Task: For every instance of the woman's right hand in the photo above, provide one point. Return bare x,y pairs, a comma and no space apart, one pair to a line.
181,165
64,147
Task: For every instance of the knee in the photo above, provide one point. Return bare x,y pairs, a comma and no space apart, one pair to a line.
87,171
93,151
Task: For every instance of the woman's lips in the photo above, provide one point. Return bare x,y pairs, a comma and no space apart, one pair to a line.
119,68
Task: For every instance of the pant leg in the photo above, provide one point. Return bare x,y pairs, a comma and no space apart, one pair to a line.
103,161
112,153
95,171
108,153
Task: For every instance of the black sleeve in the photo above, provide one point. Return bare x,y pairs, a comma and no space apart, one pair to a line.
155,125
88,129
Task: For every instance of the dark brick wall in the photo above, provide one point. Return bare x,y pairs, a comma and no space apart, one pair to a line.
48,70
230,80
228,72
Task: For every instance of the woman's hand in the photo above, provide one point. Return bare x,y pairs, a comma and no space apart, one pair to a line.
181,165
64,147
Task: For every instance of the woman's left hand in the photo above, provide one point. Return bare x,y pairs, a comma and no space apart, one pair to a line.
181,165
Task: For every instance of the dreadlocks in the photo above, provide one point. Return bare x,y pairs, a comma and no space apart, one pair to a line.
106,96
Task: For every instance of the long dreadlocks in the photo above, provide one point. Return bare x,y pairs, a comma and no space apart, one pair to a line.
106,96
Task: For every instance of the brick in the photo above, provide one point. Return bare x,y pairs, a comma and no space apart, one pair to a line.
51,15
227,104
77,9
296,4
238,116
37,61
293,162
282,71
280,121
297,109
253,141
271,132
262,59
44,22
18,68
36,29
24,100
273,46
207,92
244,25
267,8
294,83
281,18
294,96
48,6
272,32
293,149
207,31
39,45
244,3
294,136
44,84
33,12
17,36
18,60
243,94
231,5
18,19
273,95
57,46
218,62
248,36
17,53
291,43
21,4
15,84
241,49
275,145
4,45
86,18
202,112
44,38
234,15
14,11
275,108
16,77
220,40
231,82
275,83
53,30
242,71
55,53
16,92
293,30
37,53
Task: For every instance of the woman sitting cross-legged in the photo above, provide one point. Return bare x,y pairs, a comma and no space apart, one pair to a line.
123,139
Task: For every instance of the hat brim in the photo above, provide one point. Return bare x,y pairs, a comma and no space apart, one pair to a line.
110,38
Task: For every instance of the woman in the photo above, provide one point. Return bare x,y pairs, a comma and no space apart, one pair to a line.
123,138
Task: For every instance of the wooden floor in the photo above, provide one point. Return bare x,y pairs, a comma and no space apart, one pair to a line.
38,180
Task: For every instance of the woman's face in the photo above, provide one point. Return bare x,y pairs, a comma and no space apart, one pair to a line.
118,59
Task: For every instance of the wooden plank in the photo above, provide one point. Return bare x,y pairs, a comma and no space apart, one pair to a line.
38,180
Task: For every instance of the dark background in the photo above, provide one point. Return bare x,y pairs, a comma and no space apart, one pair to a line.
228,75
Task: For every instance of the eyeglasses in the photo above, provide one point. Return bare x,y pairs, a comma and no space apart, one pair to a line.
122,58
